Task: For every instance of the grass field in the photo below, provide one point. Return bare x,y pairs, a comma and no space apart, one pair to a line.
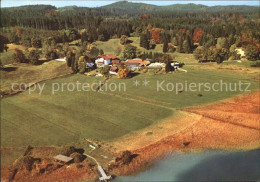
26,73
243,63
110,46
186,98
6,57
67,117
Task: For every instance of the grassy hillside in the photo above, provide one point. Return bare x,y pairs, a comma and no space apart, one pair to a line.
189,97
110,47
6,57
29,74
67,117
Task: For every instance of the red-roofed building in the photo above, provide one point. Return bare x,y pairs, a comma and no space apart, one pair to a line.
107,56
134,60
104,59
139,61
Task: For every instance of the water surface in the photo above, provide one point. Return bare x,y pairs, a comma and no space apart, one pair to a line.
206,166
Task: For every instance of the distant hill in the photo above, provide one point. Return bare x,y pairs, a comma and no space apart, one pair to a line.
127,9
130,6
38,7
143,7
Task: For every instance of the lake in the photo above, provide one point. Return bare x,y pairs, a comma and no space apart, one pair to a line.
206,166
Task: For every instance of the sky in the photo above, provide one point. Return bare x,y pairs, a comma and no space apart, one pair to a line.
97,3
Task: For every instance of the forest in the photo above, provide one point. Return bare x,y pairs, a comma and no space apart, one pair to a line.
211,33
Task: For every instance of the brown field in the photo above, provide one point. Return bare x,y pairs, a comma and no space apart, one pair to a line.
232,124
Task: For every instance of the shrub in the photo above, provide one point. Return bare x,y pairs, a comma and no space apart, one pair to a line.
19,57
37,43
1,65
130,52
24,162
123,39
105,71
125,157
52,54
77,157
34,56
82,64
67,150
252,53
123,71
256,64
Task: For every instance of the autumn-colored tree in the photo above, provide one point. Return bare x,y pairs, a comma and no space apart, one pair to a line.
82,64
156,34
19,57
123,39
198,32
123,71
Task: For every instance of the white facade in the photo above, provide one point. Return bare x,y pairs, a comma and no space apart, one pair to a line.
100,62
157,65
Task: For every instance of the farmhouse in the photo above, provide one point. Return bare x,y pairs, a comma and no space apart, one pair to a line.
104,59
137,60
134,63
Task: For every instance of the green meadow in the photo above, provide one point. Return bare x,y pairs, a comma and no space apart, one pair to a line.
66,117
162,88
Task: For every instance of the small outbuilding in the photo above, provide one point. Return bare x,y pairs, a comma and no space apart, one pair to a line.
63,159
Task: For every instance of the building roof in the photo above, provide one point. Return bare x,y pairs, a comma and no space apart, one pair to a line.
144,63
108,56
132,63
62,158
134,60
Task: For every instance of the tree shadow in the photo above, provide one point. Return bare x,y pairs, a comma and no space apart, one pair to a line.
133,74
80,150
9,69
239,166
129,41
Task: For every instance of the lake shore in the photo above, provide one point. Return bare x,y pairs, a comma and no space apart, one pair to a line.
228,125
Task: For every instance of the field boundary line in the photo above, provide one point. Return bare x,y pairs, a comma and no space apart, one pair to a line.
223,121
140,101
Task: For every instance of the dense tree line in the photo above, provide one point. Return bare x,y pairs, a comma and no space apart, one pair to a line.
179,30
